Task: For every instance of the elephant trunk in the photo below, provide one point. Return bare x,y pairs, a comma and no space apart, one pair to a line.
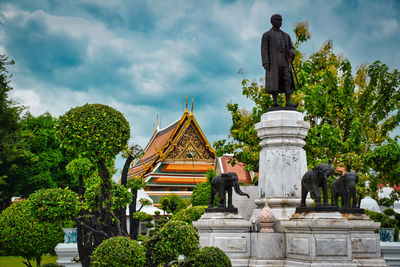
238,191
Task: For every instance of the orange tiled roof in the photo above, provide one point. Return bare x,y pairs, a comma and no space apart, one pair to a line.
244,176
187,167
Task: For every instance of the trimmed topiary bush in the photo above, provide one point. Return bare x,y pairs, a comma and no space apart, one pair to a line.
53,204
118,252
174,239
190,214
21,234
94,131
209,257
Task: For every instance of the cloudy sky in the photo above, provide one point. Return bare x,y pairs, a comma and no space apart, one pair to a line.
144,57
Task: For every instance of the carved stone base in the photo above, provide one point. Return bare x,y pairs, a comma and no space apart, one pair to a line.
227,231
331,239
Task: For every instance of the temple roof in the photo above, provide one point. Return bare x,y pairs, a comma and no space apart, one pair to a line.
178,143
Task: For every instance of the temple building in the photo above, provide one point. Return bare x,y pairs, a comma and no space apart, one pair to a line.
176,158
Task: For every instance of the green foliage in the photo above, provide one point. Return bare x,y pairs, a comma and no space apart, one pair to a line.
54,204
385,220
210,174
9,117
190,214
23,235
385,160
172,203
94,131
201,195
142,216
118,252
174,239
79,167
136,184
40,162
120,195
209,257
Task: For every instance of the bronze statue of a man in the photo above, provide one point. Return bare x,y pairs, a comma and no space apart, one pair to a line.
277,53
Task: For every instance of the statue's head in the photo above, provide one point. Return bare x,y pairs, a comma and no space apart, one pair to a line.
276,21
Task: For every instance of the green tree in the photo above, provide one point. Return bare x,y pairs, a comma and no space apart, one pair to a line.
174,239
41,163
172,203
96,132
9,132
350,115
23,235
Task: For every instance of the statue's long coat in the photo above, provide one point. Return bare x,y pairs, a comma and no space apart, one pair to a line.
269,56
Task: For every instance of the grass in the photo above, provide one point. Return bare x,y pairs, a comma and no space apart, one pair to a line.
10,261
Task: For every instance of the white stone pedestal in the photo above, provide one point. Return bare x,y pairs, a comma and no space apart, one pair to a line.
227,231
267,249
282,162
66,253
331,239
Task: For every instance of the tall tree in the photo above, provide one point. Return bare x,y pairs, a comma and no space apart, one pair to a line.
350,115
96,132
9,117
42,162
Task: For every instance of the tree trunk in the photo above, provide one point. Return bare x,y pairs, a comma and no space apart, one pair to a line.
124,180
133,223
105,206
83,253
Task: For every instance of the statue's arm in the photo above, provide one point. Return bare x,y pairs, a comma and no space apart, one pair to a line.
265,51
291,50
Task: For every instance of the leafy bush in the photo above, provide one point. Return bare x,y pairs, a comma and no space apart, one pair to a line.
119,252
142,216
173,203
209,257
120,194
190,214
23,235
174,239
54,204
385,220
94,131
201,195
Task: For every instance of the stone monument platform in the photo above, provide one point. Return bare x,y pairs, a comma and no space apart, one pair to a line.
331,239
282,162
227,231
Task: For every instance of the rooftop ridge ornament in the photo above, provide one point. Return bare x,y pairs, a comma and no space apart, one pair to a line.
186,107
158,126
191,112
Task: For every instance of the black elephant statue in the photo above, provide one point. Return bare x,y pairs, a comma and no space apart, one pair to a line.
314,179
223,183
345,187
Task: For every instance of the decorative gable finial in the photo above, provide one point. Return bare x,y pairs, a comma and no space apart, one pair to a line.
186,110
191,112
158,126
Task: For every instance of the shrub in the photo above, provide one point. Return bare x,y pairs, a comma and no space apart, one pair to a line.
23,235
190,214
174,239
385,220
53,204
119,252
201,195
209,257
94,131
